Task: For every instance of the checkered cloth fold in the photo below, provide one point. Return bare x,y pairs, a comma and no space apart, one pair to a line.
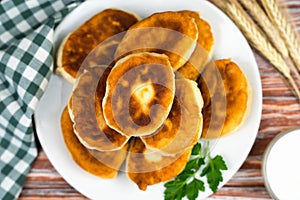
26,45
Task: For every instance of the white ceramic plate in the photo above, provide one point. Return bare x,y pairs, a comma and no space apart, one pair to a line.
229,42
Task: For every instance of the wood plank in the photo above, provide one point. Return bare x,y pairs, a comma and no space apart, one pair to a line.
241,193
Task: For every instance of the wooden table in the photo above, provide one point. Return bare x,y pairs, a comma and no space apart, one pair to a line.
281,111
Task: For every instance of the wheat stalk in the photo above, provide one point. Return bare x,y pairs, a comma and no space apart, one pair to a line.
271,31
286,30
262,19
257,39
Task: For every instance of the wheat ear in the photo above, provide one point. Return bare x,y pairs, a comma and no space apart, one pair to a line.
271,31
286,30
262,19
256,37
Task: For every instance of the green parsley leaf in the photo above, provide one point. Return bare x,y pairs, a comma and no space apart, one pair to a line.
193,188
191,165
185,175
220,163
175,190
213,172
186,183
201,162
196,149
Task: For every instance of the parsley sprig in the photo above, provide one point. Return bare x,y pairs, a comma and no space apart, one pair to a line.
187,183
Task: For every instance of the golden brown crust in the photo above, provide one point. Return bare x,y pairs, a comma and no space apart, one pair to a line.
167,32
235,89
183,127
202,54
148,168
139,94
88,36
89,123
83,157
205,35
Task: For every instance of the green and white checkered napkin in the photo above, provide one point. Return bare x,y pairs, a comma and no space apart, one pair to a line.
26,44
